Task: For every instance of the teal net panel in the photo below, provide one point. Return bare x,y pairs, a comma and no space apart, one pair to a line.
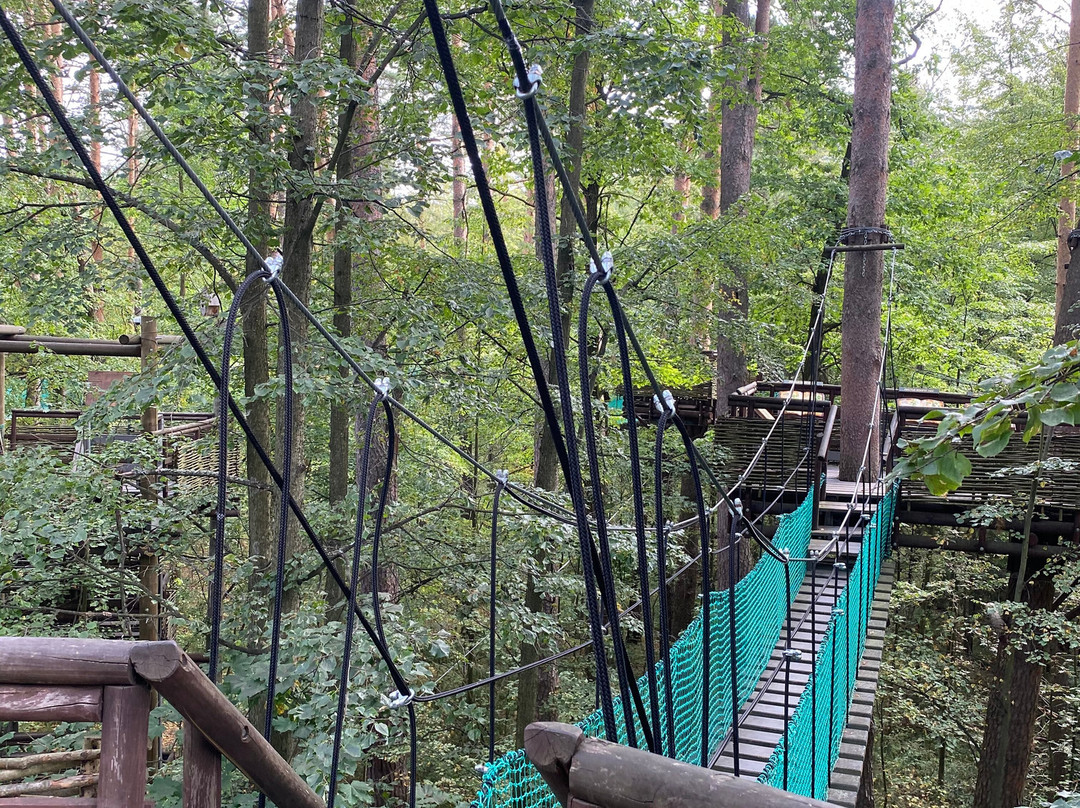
761,604
817,725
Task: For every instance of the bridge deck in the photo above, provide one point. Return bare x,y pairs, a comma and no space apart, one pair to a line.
762,718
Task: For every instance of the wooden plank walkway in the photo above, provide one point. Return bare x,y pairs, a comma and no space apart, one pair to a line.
762,718
847,773
761,722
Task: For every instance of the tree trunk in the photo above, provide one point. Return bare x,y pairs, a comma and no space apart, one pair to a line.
297,242
1011,712
861,337
536,686
254,324
457,164
340,410
739,124
1068,280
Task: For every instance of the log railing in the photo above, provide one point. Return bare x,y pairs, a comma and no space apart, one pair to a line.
591,773
821,462
109,682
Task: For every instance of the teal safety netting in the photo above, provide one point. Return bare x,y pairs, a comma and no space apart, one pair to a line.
817,725
761,605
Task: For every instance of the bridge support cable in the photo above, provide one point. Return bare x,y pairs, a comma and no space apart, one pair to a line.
177,313
289,504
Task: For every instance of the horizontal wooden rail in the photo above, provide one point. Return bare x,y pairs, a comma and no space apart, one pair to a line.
59,679
590,772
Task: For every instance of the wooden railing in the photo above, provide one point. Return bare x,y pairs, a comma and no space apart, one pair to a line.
591,773
821,462
46,679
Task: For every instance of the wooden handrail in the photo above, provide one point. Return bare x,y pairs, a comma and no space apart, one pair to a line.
183,684
608,775
821,464
826,433
61,679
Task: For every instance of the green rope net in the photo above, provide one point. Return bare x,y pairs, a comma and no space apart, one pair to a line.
761,604
817,725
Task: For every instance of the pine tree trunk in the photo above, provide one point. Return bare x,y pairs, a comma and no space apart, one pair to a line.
1066,319
861,338
254,325
297,243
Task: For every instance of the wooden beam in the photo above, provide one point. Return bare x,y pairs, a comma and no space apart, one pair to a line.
124,735
177,678
62,661
1009,548
612,776
202,770
42,703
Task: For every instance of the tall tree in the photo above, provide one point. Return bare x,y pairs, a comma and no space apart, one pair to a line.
863,271
298,241
253,322
1066,315
738,115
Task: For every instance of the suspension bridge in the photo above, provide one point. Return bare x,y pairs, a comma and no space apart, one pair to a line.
765,695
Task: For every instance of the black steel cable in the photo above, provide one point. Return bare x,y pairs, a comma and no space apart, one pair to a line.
178,315
492,603
661,575
571,470
283,515
625,674
354,580
217,580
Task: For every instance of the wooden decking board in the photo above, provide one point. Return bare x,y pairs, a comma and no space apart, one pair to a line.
763,726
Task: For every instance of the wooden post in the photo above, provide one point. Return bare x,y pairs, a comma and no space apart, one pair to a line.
180,681
149,570
125,715
202,770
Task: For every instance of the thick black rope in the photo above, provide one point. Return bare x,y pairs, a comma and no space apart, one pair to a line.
571,470
217,580
500,484
637,494
733,567
661,574
354,580
608,576
283,515
177,314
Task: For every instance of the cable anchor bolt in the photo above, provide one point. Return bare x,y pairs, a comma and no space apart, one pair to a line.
792,655
607,265
273,263
481,769
534,75
396,700
502,477
383,386
840,566
665,402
